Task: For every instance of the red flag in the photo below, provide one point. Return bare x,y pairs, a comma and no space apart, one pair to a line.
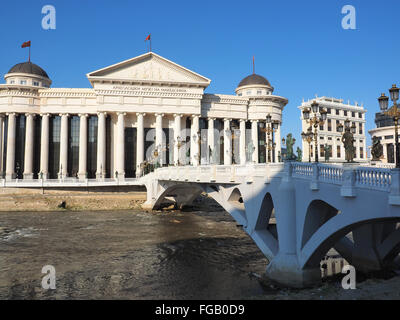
26,44
148,37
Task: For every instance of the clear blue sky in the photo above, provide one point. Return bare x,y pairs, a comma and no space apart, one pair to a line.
300,46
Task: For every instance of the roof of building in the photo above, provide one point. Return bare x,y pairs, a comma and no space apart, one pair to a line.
254,79
29,68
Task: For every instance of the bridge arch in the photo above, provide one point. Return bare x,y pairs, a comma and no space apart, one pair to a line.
182,194
318,213
330,233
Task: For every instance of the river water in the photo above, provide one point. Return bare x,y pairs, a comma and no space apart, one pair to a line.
128,255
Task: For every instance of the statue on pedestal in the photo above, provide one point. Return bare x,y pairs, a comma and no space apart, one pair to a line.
348,141
290,141
376,149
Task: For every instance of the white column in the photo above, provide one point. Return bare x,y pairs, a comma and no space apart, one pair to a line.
101,146
211,141
177,138
227,142
83,127
242,141
44,147
139,143
11,133
120,168
159,138
63,147
194,145
1,144
29,145
254,139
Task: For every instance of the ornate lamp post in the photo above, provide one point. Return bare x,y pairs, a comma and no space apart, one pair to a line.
270,127
394,113
348,139
308,137
315,121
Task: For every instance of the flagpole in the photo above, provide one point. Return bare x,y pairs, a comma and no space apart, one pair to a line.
29,60
150,42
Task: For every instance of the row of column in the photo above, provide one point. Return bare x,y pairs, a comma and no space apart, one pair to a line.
44,150
120,145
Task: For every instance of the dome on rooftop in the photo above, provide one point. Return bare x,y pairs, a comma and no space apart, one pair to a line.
254,79
29,68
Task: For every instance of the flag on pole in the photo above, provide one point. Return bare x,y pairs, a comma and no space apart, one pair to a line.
27,44
148,38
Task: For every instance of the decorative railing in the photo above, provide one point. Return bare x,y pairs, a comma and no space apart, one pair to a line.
302,170
376,178
332,174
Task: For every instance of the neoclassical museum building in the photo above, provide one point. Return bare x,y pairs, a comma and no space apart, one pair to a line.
143,110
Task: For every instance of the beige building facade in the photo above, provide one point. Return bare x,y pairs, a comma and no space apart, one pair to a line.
147,109
328,133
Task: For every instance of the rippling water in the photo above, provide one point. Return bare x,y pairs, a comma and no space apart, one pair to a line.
128,255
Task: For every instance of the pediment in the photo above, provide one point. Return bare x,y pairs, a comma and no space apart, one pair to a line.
149,67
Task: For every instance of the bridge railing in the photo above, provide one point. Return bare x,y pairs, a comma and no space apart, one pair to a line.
375,178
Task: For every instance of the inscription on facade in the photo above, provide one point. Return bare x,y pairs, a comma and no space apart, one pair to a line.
148,89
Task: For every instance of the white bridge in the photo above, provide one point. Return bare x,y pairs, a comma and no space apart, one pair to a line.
353,209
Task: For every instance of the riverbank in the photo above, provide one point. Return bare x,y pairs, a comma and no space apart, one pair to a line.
75,201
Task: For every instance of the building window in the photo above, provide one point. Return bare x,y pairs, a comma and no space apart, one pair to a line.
20,146
11,82
23,82
361,153
130,152
248,93
338,151
337,125
329,138
321,150
73,146
239,94
54,146
360,128
360,115
390,152
329,125
36,83
337,112
92,147
261,145
329,110
388,137
311,151
321,127
353,114
345,113
259,92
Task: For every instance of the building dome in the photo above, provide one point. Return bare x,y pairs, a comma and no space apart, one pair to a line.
254,79
29,68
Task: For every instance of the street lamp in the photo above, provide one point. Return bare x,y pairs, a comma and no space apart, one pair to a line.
315,121
393,113
270,127
308,137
